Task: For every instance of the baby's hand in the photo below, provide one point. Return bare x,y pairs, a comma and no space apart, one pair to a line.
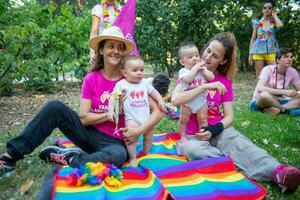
183,139
200,66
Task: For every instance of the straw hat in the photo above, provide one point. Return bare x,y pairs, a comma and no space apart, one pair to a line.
112,33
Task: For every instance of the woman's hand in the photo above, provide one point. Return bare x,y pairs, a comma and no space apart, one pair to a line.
291,93
217,86
110,116
250,60
130,134
275,12
204,135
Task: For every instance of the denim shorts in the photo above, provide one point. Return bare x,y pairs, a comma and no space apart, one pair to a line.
255,107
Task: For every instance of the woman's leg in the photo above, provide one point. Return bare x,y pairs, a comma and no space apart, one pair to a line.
259,65
104,148
270,62
195,149
256,162
53,115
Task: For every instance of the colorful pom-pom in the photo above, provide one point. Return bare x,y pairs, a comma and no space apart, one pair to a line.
94,174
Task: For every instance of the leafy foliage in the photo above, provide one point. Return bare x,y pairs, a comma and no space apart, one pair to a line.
163,25
42,39
38,45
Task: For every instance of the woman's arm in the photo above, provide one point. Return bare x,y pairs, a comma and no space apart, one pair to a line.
88,118
206,132
278,22
95,26
131,134
180,97
253,37
261,87
227,114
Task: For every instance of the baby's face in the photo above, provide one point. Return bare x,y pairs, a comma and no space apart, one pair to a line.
189,57
134,71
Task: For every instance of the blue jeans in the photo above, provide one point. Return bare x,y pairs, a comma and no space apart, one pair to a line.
97,146
255,107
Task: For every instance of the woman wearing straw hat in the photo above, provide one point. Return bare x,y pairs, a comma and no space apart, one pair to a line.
91,130
103,16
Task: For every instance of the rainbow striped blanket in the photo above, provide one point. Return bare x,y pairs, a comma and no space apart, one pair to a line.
165,175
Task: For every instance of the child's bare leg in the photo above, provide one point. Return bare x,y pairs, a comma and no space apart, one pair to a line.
185,113
147,143
131,148
202,116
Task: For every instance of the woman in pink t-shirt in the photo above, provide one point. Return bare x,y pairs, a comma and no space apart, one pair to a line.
92,129
220,138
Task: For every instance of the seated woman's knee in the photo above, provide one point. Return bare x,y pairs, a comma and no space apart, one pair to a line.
193,152
55,105
265,95
119,155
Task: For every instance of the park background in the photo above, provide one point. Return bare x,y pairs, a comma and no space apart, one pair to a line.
44,46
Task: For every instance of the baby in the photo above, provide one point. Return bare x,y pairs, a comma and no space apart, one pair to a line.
193,74
136,105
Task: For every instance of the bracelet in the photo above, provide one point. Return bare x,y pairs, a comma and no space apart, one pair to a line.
216,129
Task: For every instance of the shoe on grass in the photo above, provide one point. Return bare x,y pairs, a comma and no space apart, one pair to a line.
287,177
62,156
7,166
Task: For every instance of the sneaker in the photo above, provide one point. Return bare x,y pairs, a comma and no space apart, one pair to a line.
59,155
272,111
7,166
287,177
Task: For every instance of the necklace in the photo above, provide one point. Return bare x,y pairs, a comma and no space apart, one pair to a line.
276,74
105,6
262,34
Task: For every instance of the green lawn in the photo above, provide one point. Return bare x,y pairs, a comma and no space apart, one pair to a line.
279,135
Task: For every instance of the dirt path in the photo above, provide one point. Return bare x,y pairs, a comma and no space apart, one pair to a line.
20,108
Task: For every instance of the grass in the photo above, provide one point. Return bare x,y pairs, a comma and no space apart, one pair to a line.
279,135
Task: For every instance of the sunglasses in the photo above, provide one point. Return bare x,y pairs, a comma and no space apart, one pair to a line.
267,8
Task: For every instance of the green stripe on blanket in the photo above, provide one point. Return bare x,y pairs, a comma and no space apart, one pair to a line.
164,175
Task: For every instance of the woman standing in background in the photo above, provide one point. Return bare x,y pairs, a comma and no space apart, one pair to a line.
103,16
263,44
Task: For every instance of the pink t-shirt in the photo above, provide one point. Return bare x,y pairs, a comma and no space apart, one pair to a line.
268,73
98,89
214,102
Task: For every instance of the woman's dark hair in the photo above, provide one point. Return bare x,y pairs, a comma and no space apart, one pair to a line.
161,83
227,39
283,51
98,59
269,1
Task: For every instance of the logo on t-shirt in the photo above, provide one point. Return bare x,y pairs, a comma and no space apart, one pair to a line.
136,95
196,82
211,93
105,96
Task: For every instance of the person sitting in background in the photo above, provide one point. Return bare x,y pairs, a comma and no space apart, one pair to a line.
272,94
161,83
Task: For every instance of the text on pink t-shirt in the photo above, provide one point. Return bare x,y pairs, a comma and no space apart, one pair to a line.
98,89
